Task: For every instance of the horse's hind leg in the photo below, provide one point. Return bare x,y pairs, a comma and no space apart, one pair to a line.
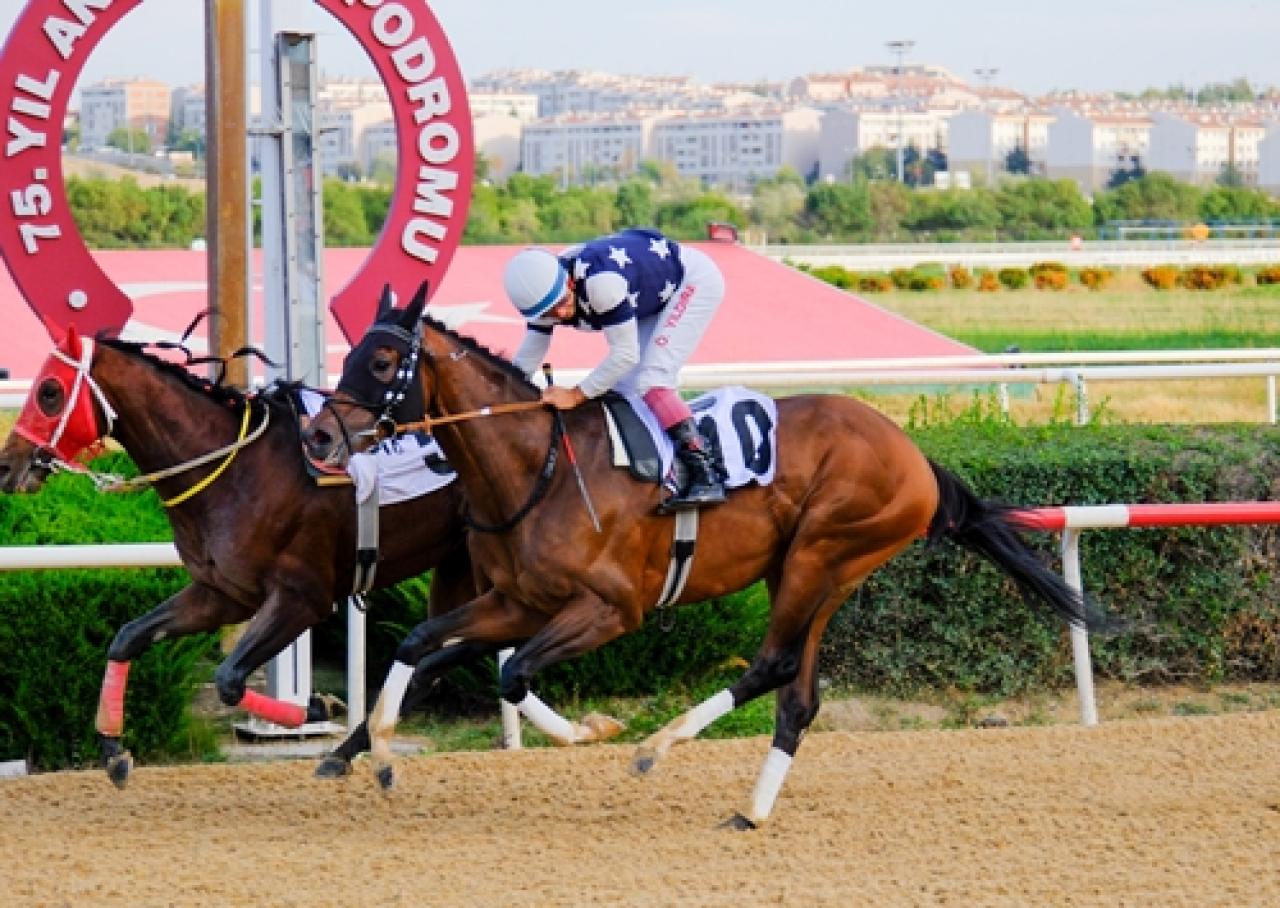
286,613
192,610
804,600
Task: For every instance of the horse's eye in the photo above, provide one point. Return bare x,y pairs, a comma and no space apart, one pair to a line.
383,364
50,397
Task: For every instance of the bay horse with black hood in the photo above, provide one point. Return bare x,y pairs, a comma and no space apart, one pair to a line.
850,491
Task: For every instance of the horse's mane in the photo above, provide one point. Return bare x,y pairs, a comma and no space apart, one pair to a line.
222,394
474,346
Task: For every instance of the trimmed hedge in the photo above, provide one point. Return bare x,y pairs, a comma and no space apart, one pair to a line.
55,627
1203,601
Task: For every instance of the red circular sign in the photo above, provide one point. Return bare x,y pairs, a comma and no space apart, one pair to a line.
39,240
53,269
436,153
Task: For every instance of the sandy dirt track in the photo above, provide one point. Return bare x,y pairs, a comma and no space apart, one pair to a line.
1165,812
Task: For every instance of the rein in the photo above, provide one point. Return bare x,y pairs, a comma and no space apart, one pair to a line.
427,422
106,482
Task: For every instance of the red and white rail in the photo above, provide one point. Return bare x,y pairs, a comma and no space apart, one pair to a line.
1070,520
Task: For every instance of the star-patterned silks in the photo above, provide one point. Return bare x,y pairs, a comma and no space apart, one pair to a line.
660,248
580,269
619,255
667,289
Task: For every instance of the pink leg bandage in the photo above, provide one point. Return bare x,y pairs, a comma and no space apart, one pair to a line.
110,720
290,715
668,406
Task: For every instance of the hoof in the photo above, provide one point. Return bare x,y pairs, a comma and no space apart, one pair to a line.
644,761
738,822
602,727
386,778
333,767
118,768
324,708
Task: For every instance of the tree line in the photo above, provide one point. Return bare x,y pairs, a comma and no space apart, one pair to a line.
786,209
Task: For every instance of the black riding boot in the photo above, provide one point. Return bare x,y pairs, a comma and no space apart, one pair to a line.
703,484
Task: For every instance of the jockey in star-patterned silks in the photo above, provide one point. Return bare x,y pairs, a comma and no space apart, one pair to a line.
653,300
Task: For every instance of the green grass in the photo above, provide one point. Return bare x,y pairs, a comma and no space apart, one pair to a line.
1055,341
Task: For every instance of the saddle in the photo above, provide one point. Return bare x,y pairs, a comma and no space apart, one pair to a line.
739,425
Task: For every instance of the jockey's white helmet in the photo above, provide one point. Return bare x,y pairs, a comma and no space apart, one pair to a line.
535,281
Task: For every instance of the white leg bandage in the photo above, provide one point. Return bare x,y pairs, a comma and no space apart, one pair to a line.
769,784
546,720
387,710
704,714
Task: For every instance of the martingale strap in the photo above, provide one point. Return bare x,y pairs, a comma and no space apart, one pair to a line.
536,495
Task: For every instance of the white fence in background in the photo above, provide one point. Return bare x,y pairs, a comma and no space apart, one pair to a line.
1076,369
1112,253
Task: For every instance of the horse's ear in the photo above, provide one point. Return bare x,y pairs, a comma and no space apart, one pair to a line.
385,303
71,344
416,305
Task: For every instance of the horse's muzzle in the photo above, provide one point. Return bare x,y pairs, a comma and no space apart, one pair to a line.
322,446
21,471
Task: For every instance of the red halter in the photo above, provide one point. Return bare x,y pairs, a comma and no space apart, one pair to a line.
75,426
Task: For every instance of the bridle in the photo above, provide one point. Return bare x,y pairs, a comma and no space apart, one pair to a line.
398,391
71,436
394,395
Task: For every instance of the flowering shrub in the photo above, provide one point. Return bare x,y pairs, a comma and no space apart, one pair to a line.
1162,277
1096,278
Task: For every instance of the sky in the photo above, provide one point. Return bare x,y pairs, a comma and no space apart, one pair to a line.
1036,45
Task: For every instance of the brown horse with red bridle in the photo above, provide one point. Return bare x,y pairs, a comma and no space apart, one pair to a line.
850,491
260,539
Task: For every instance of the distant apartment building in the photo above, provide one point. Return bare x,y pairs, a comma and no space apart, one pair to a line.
580,92
1269,159
580,149
1199,147
117,104
848,133
980,141
734,149
521,105
1088,148
341,134
187,109
497,138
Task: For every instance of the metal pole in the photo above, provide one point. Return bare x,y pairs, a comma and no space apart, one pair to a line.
986,74
227,217
901,48
1079,636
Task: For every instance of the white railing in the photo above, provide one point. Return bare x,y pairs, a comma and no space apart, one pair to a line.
1131,253
1076,369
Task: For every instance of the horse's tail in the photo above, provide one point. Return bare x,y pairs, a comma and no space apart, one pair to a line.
986,527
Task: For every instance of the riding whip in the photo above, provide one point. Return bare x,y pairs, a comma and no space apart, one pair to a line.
573,458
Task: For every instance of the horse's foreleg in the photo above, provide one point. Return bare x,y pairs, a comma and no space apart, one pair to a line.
338,762
284,616
490,620
193,609
579,627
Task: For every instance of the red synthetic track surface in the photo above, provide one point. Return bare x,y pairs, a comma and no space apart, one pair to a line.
771,313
